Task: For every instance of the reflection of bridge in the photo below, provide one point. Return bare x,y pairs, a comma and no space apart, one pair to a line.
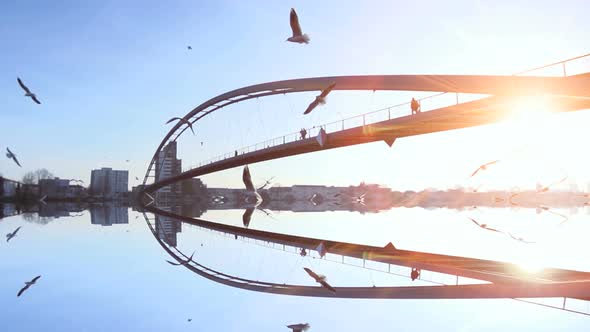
561,93
506,280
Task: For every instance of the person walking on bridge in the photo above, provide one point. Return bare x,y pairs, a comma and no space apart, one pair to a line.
303,133
415,106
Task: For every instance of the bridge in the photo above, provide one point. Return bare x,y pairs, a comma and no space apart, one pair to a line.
564,94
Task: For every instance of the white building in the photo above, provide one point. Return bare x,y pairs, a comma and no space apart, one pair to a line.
109,182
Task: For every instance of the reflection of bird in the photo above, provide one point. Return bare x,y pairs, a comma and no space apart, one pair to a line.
519,239
9,236
27,285
360,199
188,123
11,155
484,167
545,189
544,208
27,91
182,262
485,226
247,216
320,99
320,279
299,327
298,35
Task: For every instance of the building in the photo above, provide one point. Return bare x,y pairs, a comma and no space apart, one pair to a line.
109,183
168,166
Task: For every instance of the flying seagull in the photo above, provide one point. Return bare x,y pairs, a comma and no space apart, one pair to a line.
12,156
484,167
485,226
320,279
320,99
190,125
9,236
299,327
298,36
27,285
136,178
27,91
181,261
545,189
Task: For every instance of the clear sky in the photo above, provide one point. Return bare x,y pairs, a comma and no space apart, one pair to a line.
110,73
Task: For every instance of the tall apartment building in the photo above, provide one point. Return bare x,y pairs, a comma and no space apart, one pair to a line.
167,166
108,182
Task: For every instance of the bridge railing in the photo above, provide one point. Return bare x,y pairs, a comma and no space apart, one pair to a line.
566,67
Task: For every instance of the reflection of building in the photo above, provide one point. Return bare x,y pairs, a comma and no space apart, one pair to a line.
108,182
167,228
108,215
7,187
53,188
167,166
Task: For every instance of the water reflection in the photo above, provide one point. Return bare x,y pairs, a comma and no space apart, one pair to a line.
305,222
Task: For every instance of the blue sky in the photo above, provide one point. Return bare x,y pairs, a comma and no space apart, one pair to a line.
109,74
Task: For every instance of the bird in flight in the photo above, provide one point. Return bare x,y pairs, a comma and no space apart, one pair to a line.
185,262
320,99
27,91
189,47
27,285
136,178
485,226
9,236
298,36
546,189
320,279
11,155
299,327
188,123
484,167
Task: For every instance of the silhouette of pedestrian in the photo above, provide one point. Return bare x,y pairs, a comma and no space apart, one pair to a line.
303,253
303,133
415,274
415,106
